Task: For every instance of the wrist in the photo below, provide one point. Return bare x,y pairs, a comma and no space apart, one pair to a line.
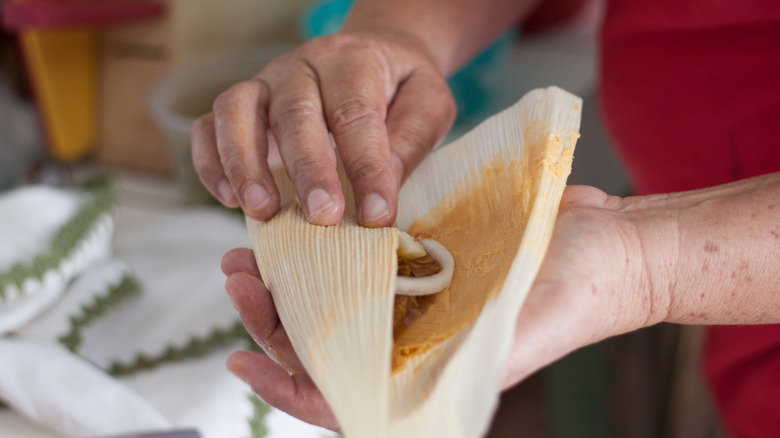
450,32
400,43
655,224
399,32
709,256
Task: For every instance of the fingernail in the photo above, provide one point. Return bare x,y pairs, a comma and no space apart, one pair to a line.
318,201
257,196
236,366
373,209
225,190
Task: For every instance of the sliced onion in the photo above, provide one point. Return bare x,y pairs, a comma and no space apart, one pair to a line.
431,284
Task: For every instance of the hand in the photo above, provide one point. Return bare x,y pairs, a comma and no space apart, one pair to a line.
379,96
590,286
593,283
615,265
278,378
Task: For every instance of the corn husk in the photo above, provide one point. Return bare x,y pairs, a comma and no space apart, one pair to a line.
333,286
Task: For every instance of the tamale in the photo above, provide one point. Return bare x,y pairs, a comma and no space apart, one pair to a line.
491,198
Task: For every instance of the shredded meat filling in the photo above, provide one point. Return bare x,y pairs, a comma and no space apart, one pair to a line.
407,308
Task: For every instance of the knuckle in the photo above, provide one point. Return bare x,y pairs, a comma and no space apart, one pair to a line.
303,167
414,135
292,108
230,98
232,164
203,169
201,136
350,113
365,168
344,51
203,122
224,102
337,42
443,111
448,108
278,64
243,87
201,129
443,103
203,166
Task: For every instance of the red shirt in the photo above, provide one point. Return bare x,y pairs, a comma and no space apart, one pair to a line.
690,90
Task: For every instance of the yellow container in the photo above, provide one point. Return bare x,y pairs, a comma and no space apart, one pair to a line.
62,65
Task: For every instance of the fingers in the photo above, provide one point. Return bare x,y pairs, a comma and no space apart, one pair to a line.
422,113
241,138
278,378
355,97
240,260
258,314
341,85
205,158
295,394
296,118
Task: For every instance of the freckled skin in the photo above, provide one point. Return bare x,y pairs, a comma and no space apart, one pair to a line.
738,255
710,246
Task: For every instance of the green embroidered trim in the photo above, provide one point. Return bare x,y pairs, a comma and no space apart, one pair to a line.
196,347
257,426
104,198
128,287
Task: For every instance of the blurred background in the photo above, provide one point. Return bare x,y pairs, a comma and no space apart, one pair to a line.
112,87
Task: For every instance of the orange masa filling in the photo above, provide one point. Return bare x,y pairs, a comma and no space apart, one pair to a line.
483,234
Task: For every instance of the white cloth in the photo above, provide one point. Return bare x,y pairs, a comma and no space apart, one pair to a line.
30,217
176,260
81,400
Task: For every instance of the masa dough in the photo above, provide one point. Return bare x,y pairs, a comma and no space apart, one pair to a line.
482,227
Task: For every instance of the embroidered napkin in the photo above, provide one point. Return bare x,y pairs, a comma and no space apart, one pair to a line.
124,333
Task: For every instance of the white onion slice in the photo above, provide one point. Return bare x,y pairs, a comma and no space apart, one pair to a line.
409,247
416,286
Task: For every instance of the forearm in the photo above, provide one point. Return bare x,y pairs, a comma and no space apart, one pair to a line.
453,31
712,255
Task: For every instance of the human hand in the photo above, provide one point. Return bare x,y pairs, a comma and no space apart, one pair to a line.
593,284
278,377
613,265
378,95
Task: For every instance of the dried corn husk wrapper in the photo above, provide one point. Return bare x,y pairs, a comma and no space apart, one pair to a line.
491,198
